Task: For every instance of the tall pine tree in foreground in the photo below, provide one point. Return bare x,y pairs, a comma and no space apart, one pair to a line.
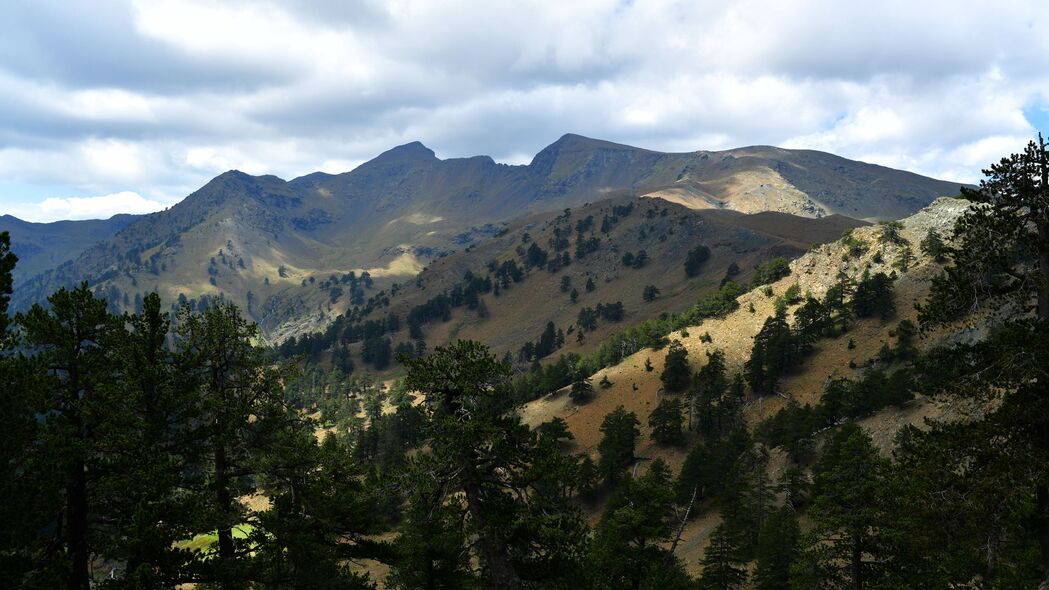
482,457
999,273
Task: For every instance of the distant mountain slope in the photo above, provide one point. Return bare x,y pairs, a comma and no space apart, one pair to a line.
255,240
42,246
517,311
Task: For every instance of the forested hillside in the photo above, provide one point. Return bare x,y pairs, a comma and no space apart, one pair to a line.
871,414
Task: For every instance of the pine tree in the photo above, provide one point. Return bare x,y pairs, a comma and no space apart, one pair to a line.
676,373
874,296
694,260
242,410
68,338
775,352
665,422
482,456
724,564
582,390
705,395
619,430
845,513
1000,263
932,245
627,550
777,550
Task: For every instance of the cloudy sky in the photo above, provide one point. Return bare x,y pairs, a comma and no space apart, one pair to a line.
111,106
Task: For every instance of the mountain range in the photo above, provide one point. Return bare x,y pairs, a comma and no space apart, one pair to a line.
262,241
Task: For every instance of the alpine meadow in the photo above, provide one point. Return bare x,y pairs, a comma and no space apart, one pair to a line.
708,363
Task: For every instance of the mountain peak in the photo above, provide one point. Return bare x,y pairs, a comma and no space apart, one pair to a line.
413,150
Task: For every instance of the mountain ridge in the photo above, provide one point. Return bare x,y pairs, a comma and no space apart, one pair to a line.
258,239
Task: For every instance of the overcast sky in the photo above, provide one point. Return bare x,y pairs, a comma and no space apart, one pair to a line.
127,106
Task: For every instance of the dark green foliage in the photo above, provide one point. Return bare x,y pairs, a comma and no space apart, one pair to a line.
7,265
841,550
775,352
535,256
793,427
619,431
711,467
555,429
777,550
854,246
838,304
770,272
724,562
627,550
666,421
582,390
889,233
932,245
482,455
999,255
694,260
676,374
874,296
714,404
650,293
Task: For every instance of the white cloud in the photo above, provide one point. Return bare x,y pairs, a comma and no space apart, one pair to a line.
100,207
160,96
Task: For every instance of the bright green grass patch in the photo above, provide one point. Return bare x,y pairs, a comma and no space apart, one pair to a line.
205,542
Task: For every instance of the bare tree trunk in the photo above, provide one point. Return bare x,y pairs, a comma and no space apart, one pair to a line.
681,528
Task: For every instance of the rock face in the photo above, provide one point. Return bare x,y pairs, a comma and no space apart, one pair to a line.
255,239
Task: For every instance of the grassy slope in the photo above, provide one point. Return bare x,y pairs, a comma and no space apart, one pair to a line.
520,313
814,272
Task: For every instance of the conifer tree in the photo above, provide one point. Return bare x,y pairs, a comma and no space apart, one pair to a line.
620,431
482,456
627,550
665,421
242,410
582,390
775,352
874,296
999,263
841,547
777,550
676,373
68,340
724,563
